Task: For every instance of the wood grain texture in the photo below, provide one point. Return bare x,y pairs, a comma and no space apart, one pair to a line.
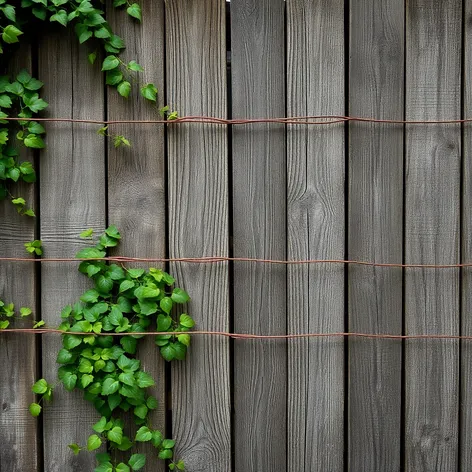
375,234
466,322
198,226
315,230
72,198
432,194
18,429
136,176
259,230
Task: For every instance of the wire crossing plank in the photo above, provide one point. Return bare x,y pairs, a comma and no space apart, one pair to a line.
375,234
198,226
18,429
72,198
432,201
259,230
466,347
315,213
136,176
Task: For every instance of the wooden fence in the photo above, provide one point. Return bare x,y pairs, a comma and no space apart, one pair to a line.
387,193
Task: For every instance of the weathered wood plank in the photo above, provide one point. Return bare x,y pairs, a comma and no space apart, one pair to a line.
18,429
198,226
432,200
466,322
72,198
259,230
375,234
136,176
315,213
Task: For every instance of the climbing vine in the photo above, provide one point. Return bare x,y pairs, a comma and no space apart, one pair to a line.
19,96
124,302
105,368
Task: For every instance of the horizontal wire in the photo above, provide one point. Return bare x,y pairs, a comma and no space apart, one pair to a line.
294,120
241,335
216,259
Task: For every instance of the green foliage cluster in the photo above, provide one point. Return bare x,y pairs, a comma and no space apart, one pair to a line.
7,312
105,367
19,97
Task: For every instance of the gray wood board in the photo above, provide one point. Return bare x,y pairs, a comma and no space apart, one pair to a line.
375,234
466,346
72,198
315,213
259,230
198,226
18,429
432,202
136,176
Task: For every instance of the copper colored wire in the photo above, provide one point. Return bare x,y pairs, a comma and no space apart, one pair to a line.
244,336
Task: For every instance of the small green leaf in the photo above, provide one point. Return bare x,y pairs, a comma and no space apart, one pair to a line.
10,34
110,386
60,17
165,454
24,311
137,461
151,402
141,411
34,409
86,234
124,89
75,448
186,321
149,92
93,442
110,63
99,427
92,56
180,465
134,10
115,435
69,380
168,443
40,386
121,467
184,339
180,296
36,128
166,304
163,322
5,101
134,66
143,434
34,141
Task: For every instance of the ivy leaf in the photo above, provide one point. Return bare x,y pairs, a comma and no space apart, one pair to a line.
143,434
168,352
92,56
114,76
104,467
110,62
102,33
134,10
184,339
5,101
60,17
15,88
40,13
116,42
34,84
35,128
149,92
34,409
115,434
119,3
144,380
129,344
186,321
124,89
166,304
90,253
10,34
69,380
180,296
93,442
34,103
151,402
134,66
9,12
99,427
34,141
137,461
165,454
75,448
163,322
110,386
122,467
40,387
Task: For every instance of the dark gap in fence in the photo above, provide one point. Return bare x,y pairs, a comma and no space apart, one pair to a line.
229,115
347,6
167,366
403,331
461,238
37,270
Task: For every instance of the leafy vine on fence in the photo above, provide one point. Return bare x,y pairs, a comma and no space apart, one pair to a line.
123,300
19,96
105,368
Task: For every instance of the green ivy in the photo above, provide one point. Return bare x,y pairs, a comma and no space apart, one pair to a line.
19,97
126,301
7,313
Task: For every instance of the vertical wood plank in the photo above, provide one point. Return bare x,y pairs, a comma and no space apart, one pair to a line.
198,226
18,429
375,234
433,71
466,322
259,230
315,214
136,176
72,198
